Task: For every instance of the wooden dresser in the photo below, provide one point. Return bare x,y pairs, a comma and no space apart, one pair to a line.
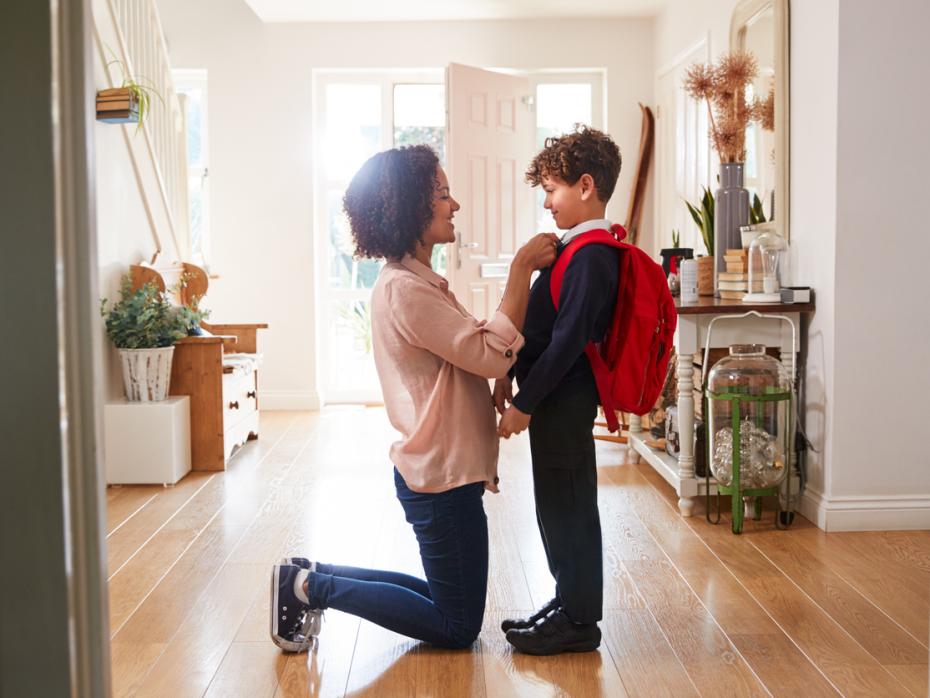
223,389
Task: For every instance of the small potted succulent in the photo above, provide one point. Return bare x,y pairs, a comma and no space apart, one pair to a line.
143,325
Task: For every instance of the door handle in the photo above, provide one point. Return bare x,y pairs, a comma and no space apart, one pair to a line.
462,245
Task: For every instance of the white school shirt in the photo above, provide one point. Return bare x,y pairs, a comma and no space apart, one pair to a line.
596,224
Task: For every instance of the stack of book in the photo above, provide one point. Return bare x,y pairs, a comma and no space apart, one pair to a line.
117,106
733,283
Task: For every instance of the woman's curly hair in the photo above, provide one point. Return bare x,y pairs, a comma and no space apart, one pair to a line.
390,201
585,151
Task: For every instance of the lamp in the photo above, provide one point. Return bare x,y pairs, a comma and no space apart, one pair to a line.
768,268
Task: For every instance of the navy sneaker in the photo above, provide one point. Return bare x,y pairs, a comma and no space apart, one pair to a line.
314,622
288,613
299,562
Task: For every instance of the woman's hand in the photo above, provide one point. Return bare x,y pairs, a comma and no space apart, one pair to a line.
513,422
503,394
538,252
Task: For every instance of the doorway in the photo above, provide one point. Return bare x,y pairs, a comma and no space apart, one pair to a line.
358,114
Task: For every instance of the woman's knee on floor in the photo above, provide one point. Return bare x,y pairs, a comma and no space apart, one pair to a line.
460,636
462,640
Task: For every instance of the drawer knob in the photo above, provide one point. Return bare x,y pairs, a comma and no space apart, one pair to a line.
251,393
234,405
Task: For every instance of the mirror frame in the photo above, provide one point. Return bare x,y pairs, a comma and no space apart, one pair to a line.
744,11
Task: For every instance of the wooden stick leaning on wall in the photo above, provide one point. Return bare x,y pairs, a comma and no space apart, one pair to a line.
638,192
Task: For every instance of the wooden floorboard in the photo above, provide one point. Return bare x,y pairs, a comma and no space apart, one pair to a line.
124,501
689,609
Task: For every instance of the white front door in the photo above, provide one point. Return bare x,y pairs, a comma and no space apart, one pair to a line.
490,139
682,154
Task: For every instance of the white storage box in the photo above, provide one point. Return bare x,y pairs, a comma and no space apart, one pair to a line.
147,442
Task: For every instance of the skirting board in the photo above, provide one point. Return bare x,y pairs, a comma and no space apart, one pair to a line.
849,513
289,399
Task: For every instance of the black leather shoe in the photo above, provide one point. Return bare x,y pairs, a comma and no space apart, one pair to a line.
524,623
556,634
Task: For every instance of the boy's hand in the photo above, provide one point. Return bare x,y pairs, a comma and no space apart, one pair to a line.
513,422
503,394
538,252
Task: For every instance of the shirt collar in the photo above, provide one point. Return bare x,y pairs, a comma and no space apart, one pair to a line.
595,224
424,272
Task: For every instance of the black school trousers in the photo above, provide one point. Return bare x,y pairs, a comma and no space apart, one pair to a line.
565,486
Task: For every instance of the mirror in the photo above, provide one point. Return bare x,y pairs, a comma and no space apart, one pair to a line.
761,27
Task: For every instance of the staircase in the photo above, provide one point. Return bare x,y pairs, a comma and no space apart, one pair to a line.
129,38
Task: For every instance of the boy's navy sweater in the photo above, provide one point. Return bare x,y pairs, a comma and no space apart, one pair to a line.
555,342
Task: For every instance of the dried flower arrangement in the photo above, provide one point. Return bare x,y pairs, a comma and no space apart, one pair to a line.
763,110
723,86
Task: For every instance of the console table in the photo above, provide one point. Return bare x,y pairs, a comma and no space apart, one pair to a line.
690,337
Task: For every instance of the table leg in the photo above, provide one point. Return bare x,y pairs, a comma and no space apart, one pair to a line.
786,355
686,427
636,427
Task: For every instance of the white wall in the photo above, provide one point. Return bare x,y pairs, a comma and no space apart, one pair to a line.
259,86
882,253
814,73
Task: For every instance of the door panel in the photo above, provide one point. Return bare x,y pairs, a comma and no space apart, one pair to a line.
490,141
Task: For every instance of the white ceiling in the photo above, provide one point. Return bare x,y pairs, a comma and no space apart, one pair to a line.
412,10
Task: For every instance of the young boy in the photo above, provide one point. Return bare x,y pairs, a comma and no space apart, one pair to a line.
558,397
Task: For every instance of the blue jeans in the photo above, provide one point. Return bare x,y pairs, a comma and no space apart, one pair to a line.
447,608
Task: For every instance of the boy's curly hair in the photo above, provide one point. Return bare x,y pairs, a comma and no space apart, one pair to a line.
390,201
585,151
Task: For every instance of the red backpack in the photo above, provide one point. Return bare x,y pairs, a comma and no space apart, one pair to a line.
629,365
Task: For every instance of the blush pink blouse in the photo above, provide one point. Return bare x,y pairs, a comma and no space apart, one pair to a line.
434,361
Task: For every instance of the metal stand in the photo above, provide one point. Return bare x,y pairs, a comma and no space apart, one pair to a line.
742,497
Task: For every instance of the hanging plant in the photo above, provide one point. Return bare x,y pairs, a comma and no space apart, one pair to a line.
131,102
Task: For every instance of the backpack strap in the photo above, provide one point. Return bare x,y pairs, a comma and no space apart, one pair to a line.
599,366
598,236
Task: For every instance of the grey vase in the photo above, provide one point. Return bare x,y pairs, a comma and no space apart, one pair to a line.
731,211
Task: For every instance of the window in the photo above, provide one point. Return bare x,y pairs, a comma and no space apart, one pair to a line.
562,102
191,85
420,117
358,116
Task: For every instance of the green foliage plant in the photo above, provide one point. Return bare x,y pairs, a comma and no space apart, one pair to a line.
146,319
676,238
756,214
139,88
703,217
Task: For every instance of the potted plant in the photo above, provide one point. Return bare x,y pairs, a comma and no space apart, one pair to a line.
143,325
131,102
704,219
723,88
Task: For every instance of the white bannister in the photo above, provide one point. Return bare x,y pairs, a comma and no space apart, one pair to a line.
140,47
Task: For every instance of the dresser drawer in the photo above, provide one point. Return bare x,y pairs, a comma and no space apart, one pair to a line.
239,398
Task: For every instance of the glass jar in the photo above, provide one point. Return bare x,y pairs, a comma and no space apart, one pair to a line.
749,401
768,268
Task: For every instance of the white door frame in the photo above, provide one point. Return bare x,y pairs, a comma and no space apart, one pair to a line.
54,600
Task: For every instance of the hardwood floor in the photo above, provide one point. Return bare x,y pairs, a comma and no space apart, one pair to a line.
690,609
